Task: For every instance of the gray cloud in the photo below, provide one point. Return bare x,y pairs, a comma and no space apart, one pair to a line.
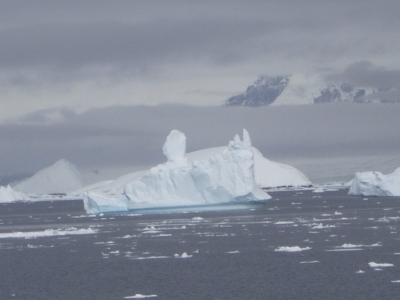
62,40
385,81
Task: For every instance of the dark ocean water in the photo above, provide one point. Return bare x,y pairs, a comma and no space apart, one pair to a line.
231,251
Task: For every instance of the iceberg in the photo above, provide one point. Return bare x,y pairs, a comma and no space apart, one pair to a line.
225,177
376,184
61,177
7,194
268,174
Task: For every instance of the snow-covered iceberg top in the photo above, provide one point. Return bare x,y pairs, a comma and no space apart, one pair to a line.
61,177
7,194
376,184
222,178
268,174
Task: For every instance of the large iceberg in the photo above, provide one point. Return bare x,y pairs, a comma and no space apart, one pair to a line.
7,194
376,184
268,174
61,177
221,178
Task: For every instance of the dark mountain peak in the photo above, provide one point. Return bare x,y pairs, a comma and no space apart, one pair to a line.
263,92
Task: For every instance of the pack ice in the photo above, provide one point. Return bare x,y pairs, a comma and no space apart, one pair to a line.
7,194
225,177
376,184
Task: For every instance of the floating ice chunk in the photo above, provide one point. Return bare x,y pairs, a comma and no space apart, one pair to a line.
283,223
291,249
140,296
321,226
360,272
184,255
47,232
234,252
350,246
309,262
197,218
395,281
380,265
376,184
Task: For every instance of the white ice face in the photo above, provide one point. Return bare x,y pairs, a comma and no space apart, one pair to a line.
376,184
224,177
7,194
61,177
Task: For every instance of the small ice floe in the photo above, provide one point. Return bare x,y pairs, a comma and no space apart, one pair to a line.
360,272
197,218
39,246
184,255
140,296
150,257
309,262
380,265
149,227
162,235
344,249
353,247
128,236
350,246
321,226
365,199
338,213
395,281
291,249
384,219
234,252
283,223
151,231
47,232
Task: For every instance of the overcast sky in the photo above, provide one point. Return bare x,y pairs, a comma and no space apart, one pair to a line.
72,73
94,53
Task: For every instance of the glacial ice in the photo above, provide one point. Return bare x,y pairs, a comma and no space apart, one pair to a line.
61,177
268,174
376,184
222,178
7,194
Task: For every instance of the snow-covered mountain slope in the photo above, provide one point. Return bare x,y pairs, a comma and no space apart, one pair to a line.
263,92
376,184
222,178
61,177
297,89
